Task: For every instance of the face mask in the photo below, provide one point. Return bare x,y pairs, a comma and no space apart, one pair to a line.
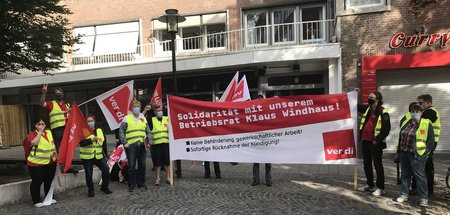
91,124
159,114
59,96
136,110
415,116
370,101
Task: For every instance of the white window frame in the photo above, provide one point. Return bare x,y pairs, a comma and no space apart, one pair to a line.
295,23
323,19
246,34
382,3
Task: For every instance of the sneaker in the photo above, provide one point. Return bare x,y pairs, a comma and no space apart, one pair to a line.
423,203
379,192
402,199
54,201
365,188
39,205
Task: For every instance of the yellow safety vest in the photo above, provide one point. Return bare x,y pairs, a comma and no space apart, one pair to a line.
407,118
57,118
95,150
135,131
44,151
436,125
421,136
160,131
377,126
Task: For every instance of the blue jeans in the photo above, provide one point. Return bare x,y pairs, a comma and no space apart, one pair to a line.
413,165
88,168
136,154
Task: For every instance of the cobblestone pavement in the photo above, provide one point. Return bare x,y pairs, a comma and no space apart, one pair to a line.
297,189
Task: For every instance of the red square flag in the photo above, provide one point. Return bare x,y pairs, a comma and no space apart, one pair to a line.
76,130
339,144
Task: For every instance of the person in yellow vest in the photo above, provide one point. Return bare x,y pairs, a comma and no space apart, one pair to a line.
374,128
160,133
415,143
58,114
430,112
93,150
136,138
41,161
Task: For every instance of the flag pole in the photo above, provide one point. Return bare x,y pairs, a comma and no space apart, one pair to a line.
171,172
88,101
355,179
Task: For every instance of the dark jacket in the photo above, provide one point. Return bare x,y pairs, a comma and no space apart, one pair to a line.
385,124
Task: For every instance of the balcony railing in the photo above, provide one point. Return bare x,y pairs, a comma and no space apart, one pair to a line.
299,33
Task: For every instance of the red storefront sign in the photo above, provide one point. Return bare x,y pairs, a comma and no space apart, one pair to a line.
402,40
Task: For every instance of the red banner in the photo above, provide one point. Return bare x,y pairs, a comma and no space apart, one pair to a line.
76,130
191,118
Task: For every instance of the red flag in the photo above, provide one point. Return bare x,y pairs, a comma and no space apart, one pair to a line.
76,130
229,92
157,94
116,104
241,93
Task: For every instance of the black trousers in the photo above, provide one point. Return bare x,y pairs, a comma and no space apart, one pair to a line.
41,174
88,169
57,134
373,153
216,169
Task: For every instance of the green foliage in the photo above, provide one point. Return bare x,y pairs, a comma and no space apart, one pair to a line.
34,35
416,6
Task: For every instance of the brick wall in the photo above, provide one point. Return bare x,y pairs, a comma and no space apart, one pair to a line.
370,33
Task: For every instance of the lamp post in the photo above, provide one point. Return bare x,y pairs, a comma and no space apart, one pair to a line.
172,18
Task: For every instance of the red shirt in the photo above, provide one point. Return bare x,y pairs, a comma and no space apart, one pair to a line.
28,139
63,106
368,133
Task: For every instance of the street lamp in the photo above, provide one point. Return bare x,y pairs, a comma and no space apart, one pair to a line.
172,18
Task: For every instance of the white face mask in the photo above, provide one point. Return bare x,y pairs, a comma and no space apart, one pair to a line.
159,114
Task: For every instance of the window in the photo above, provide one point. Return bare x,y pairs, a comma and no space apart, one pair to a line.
312,23
107,39
256,27
283,25
191,38
364,3
216,35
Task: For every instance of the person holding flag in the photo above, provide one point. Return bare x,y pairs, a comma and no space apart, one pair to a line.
58,113
93,150
135,137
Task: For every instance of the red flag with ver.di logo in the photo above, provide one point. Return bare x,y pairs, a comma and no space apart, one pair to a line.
115,104
157,94
76,130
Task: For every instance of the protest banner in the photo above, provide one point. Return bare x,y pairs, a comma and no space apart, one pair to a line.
315,129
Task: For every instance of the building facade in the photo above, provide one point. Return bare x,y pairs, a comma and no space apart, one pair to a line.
386,48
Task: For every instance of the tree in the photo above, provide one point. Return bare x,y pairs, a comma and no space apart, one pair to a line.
34,35
416,6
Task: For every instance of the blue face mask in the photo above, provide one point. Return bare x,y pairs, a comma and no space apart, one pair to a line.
91,124
159,114
415,116
136,110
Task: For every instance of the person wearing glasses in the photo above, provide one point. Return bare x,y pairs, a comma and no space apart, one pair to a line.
40,152
430,112
374,128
